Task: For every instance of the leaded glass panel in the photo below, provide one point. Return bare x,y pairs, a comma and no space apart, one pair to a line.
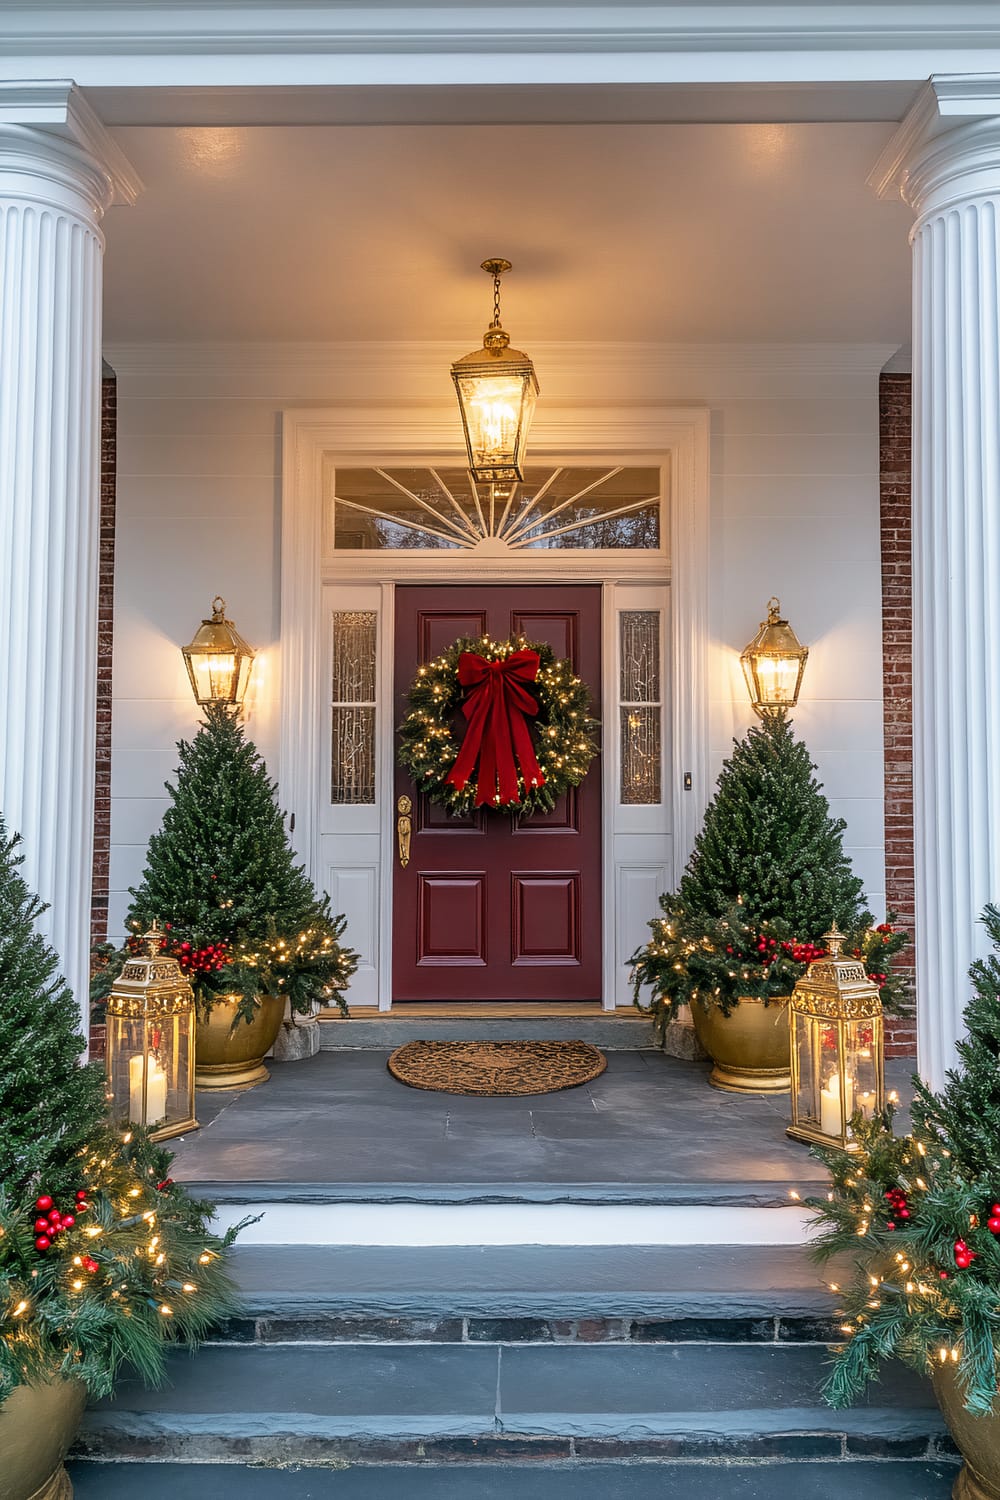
641,707
352,741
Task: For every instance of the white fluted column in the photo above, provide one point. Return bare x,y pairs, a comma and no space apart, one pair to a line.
59,171
947,165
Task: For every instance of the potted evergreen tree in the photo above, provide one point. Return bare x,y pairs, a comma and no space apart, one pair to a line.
918,1218
80,1203
768,876
243,918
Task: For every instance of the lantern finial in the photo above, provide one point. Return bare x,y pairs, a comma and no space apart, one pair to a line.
153,938
834,940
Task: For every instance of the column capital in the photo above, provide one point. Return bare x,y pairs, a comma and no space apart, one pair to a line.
947,148
48,131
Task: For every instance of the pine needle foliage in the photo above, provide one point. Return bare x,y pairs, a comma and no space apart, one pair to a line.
768,876
221,875
136,1274
49,1105
925,1286
769,842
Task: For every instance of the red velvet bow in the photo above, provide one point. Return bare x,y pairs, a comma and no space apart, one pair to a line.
497,707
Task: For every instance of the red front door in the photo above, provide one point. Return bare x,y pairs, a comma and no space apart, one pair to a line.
491,907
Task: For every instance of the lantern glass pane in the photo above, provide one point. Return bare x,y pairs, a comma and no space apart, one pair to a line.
125,1041
493,406
863,1050
777,679
214,673
805,1035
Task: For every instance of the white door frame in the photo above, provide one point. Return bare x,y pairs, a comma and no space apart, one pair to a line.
313,438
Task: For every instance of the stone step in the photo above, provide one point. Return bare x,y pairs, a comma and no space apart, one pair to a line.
529,1294
616,1031
406,1403
816,1480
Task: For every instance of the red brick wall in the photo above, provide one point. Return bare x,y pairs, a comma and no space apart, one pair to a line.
105,640
897,622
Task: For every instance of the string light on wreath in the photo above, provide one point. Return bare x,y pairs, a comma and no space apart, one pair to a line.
529,733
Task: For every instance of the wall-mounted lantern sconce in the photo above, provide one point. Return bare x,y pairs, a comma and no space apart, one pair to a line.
773,664
218,660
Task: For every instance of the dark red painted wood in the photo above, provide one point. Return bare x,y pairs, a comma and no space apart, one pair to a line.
490,907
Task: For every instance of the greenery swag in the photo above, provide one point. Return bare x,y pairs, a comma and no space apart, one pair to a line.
104,1261
564,740
918,1217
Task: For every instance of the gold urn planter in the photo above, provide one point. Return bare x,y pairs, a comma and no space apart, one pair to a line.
750,1048
228,1057
37,1425
977,1439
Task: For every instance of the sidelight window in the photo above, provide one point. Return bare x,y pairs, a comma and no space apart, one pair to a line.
352,777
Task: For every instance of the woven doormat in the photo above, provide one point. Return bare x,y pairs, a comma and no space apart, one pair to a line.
496,1067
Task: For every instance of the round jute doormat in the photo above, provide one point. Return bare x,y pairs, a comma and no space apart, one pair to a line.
496,1067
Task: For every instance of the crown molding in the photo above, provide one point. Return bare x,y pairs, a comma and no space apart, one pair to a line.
554,359
56,111
945,103
149,28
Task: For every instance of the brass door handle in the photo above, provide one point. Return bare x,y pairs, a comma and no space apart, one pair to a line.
404,828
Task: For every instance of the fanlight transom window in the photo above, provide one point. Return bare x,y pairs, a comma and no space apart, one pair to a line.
441,509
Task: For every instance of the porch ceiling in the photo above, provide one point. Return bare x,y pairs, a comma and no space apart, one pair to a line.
684,232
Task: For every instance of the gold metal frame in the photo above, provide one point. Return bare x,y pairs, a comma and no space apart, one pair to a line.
835,991
775,640
151,989
493,359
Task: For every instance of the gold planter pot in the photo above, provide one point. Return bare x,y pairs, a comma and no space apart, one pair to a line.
977,1439
37,1425
750,1047
232,1059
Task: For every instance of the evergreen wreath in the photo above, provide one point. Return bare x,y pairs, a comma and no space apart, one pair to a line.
563,729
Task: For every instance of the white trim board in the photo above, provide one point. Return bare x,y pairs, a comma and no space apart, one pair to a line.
415,1224
677,436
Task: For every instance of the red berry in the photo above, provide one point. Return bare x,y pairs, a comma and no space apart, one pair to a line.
42,1242
44,1202
68,1222
55,1215
81,1195
904,1213
41,1225
81,1208
943,1275
890,1225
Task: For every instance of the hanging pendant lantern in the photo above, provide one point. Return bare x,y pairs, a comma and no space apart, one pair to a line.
218,660
773,664
497,388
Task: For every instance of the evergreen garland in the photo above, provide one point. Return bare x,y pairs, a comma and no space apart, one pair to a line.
135,1272
242,916
918,1216
48,1104
104,1262
767,878
563,729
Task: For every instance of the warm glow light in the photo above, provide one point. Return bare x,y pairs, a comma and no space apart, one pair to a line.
773,664
218,660
497,388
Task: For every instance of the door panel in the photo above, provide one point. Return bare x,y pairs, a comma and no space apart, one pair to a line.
490,906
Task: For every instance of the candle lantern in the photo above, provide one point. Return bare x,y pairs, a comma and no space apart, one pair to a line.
837,1048
150,1048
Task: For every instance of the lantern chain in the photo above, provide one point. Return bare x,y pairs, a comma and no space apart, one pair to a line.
496,299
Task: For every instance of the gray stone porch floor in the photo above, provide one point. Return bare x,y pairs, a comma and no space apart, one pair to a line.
650,1129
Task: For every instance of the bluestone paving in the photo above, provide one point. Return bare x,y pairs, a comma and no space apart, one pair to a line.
650,1121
